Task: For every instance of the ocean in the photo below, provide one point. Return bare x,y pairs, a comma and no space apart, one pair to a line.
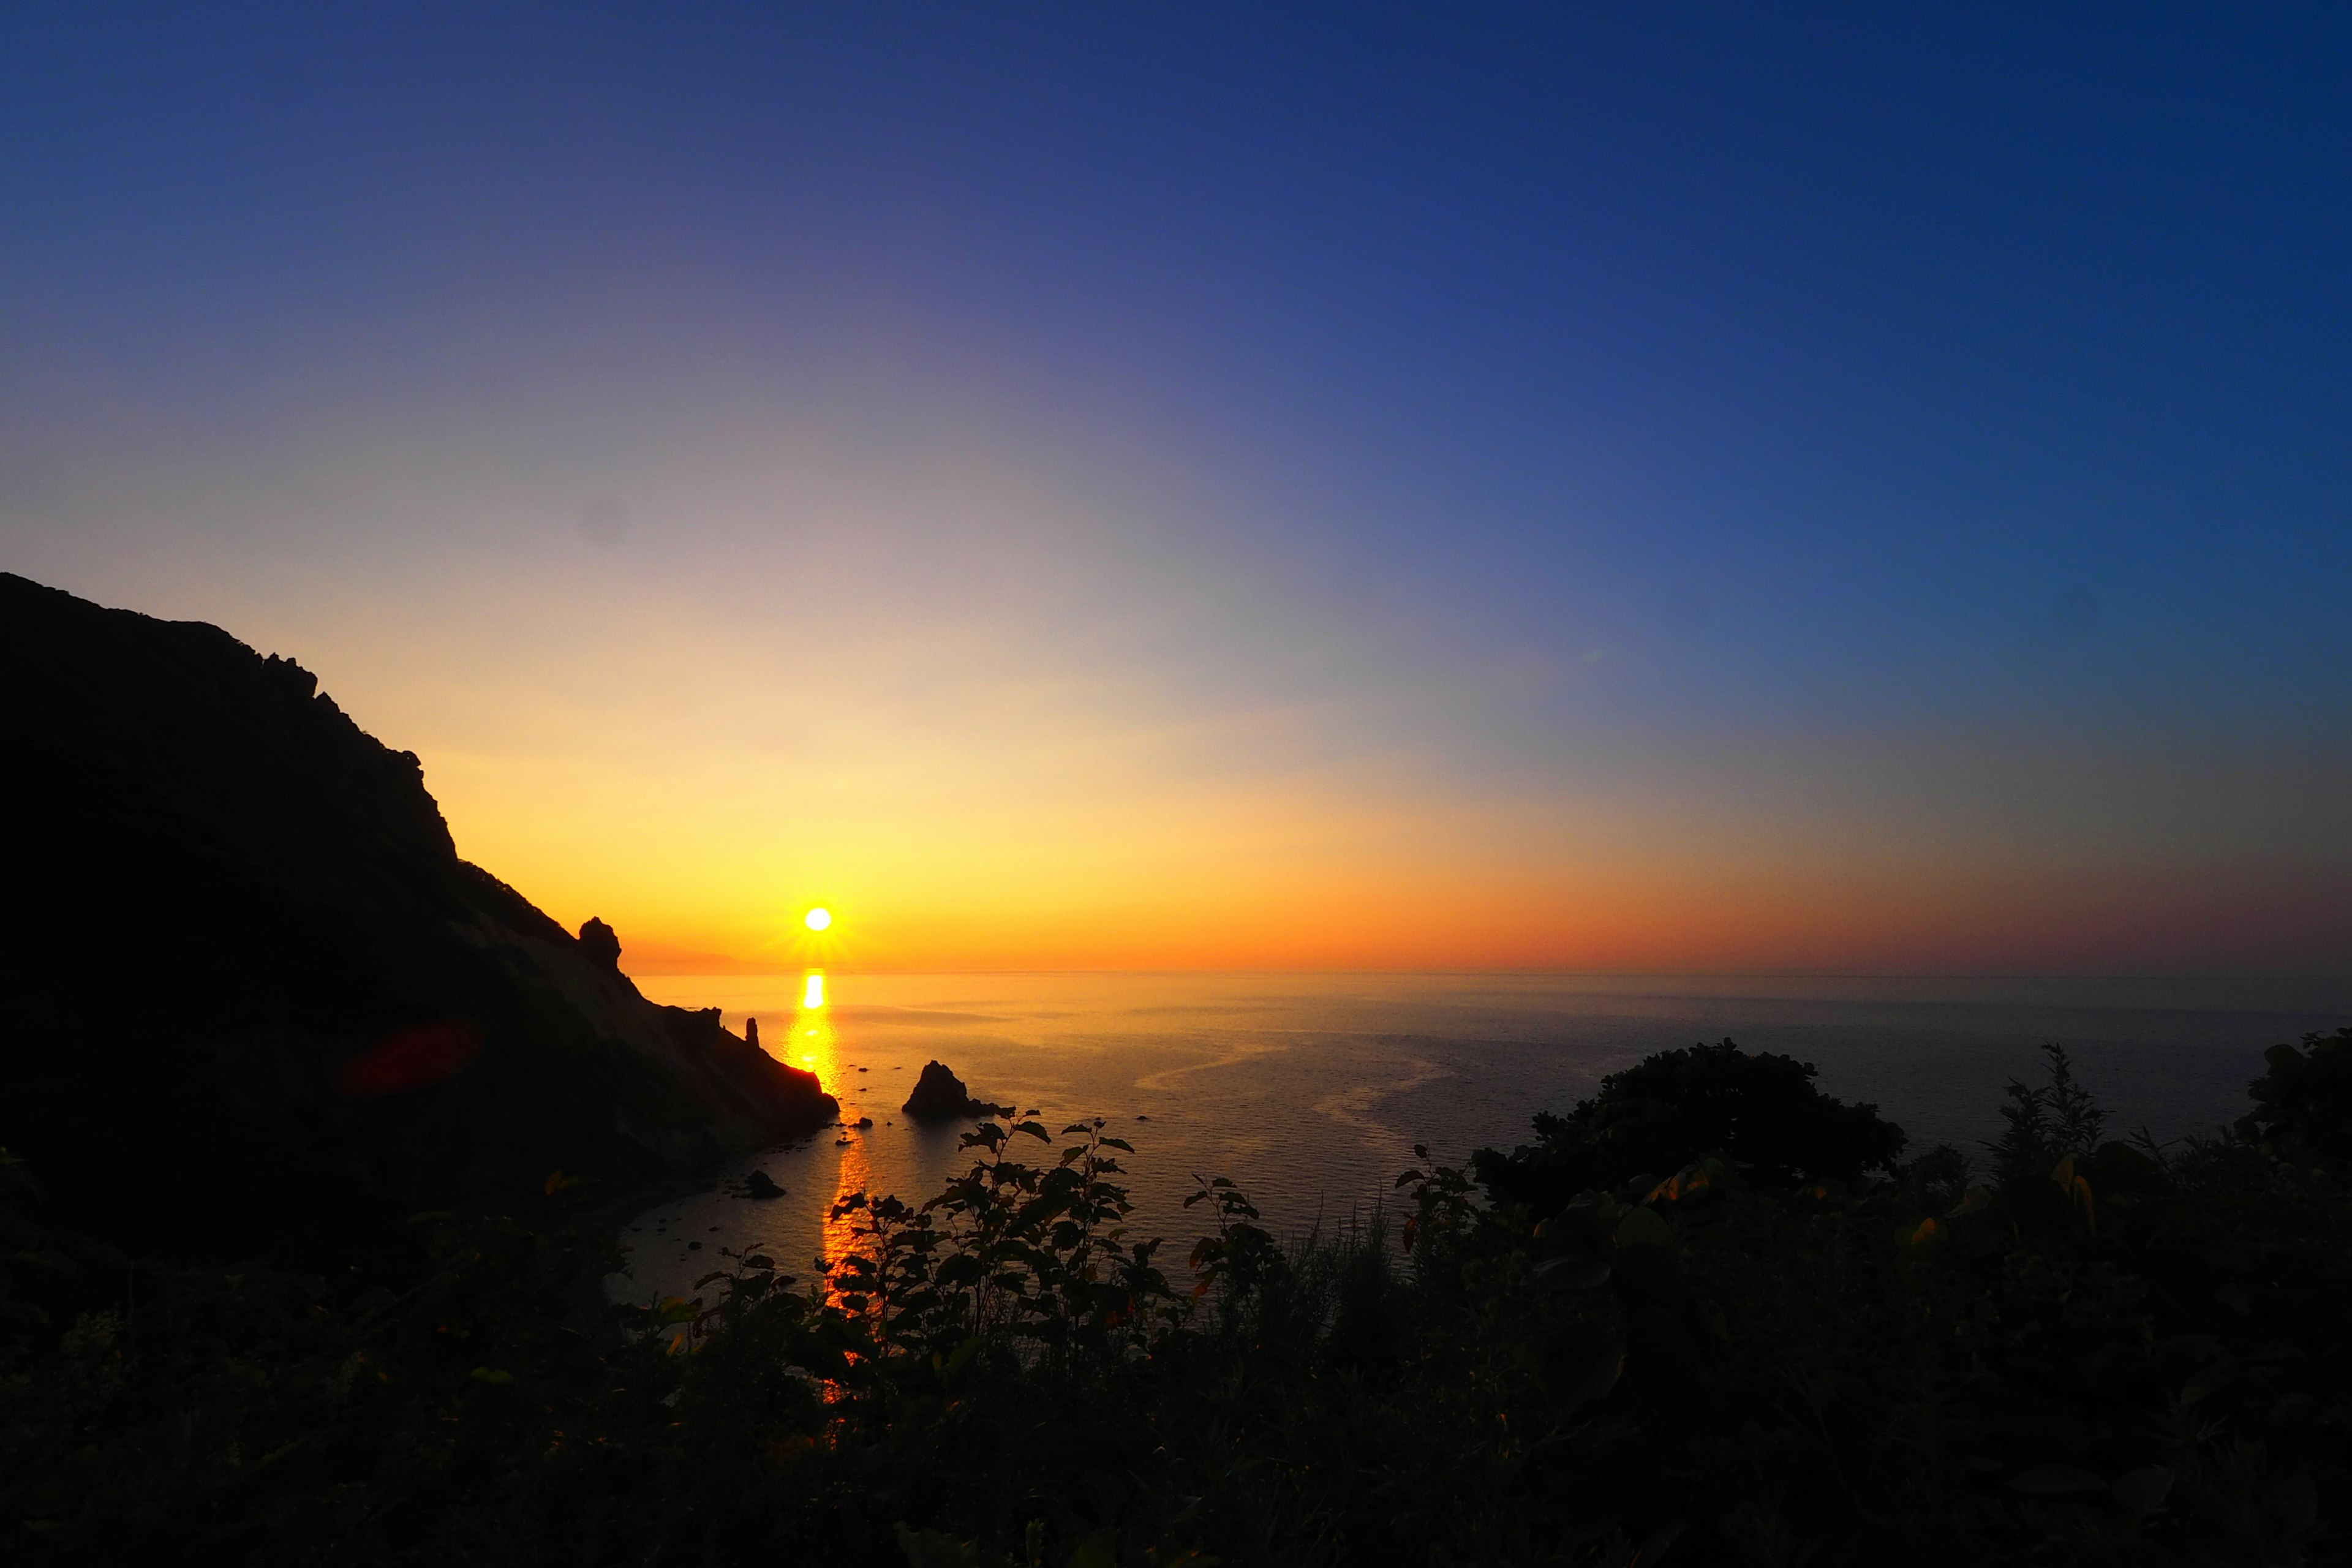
1309,1090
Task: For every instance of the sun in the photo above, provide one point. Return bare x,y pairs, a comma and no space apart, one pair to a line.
817,919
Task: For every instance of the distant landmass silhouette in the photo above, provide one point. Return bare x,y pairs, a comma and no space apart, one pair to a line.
253,1003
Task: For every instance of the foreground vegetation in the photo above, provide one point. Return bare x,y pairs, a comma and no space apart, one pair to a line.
1708,1316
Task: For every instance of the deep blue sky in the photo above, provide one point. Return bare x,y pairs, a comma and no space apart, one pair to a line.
1962,380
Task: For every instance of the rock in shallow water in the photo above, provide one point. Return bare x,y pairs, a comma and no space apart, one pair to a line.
941,1096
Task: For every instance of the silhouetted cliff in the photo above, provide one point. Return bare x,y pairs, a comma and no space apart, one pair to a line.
251,1001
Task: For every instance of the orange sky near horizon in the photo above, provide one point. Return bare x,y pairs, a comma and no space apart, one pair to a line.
1709,928
1044,739
1057,828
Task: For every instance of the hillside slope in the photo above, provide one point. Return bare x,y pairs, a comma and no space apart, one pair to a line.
253,1002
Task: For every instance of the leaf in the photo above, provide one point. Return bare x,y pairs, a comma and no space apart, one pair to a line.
936,1549
953,1366
1643,1227
1588,1373
2055,1480
2208,1382
491,1375
1099,1550
1572,1273
2142,1492
2296,1501
1660,1541
1687,1182
1119,1143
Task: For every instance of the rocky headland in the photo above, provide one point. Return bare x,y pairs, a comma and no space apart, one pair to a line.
252,1003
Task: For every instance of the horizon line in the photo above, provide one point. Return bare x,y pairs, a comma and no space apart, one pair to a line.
2340,974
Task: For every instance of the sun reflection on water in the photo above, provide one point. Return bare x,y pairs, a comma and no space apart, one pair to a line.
814,1045
817,1047
856,1176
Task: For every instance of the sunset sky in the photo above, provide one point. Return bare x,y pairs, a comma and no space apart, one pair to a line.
1638,487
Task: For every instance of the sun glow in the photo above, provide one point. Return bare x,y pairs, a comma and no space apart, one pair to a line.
817,919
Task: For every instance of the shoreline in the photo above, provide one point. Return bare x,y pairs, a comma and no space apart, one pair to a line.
588,1303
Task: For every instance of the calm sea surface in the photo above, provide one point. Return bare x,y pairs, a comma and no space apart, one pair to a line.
1310,1090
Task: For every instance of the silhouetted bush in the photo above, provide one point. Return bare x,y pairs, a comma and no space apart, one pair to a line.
1759,1111
2304,1102
2133,1355
2045,1123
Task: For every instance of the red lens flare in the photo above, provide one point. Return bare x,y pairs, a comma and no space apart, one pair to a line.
413,1058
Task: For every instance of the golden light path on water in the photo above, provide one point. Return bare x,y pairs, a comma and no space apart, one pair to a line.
817,1047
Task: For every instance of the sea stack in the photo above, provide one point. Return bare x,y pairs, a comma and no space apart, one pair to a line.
600,945
941,1096
750,1031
